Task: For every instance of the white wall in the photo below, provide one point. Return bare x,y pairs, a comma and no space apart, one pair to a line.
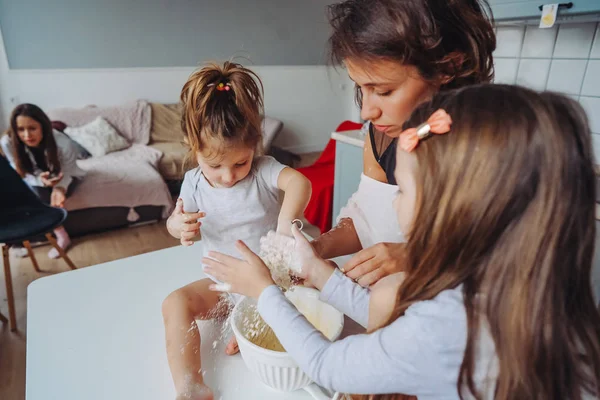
565,58
310,100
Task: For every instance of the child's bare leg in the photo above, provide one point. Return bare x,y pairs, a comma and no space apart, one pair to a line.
180,310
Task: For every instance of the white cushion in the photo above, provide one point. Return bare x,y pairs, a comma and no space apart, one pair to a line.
98,137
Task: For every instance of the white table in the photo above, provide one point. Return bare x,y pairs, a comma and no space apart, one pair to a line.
97,334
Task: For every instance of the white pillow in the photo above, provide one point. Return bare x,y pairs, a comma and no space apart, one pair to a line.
98,137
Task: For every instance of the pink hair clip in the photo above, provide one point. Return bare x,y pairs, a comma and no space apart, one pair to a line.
439,123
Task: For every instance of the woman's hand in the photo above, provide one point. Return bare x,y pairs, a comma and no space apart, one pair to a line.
248,277
184,226
58,197
314,269
370,265
49,181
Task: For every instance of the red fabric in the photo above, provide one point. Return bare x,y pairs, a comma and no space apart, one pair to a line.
320,207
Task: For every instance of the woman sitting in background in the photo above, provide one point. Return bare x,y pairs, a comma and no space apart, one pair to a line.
45,159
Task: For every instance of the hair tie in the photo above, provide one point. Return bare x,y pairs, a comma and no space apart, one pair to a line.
222,86
439,123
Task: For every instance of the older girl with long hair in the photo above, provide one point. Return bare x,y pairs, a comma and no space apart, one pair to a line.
496,194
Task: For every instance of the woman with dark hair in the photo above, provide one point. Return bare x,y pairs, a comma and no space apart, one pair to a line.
44,158
399,53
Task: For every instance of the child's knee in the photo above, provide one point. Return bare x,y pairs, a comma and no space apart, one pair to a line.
175,300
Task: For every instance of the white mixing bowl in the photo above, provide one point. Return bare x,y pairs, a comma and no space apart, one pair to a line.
277,369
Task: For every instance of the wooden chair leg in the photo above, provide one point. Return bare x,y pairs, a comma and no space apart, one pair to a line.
9,289
27,245
60,251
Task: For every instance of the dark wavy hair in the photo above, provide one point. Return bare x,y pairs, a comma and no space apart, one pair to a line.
23,163
448,41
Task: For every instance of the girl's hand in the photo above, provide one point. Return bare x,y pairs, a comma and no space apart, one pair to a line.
58,197
371,264
315,270
248,277
184,226
48,181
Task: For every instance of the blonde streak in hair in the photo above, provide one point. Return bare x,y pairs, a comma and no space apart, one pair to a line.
195,95
248,90
518,305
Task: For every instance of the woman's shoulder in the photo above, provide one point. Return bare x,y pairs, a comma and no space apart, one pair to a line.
5,138
61,139
6,144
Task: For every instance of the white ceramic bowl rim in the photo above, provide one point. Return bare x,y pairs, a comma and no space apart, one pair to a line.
273,353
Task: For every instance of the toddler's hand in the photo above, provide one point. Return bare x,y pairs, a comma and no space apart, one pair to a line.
248,277
184,225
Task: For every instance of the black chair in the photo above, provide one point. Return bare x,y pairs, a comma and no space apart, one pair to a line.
23,217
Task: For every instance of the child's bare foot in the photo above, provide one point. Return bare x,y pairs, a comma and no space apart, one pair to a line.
197,392
232,347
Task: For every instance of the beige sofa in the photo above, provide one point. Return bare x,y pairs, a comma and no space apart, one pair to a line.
120,188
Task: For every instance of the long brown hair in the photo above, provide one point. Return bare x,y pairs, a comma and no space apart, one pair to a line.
23,163
448,41
229,117
506,206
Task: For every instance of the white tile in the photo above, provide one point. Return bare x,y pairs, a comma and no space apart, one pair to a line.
508,41
591,83
533,73
596,145
566,76
596,46
591,106
539,43
505,70
574,40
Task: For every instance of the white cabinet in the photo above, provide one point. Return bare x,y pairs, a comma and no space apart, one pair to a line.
348,168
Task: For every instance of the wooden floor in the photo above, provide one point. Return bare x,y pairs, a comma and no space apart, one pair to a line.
86,251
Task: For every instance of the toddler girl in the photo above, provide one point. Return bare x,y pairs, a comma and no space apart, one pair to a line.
232,194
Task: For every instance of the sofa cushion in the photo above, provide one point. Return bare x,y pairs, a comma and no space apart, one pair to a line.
97,137
166,126
131,120
171,165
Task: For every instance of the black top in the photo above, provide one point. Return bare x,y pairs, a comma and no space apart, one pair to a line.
387,159
39,155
